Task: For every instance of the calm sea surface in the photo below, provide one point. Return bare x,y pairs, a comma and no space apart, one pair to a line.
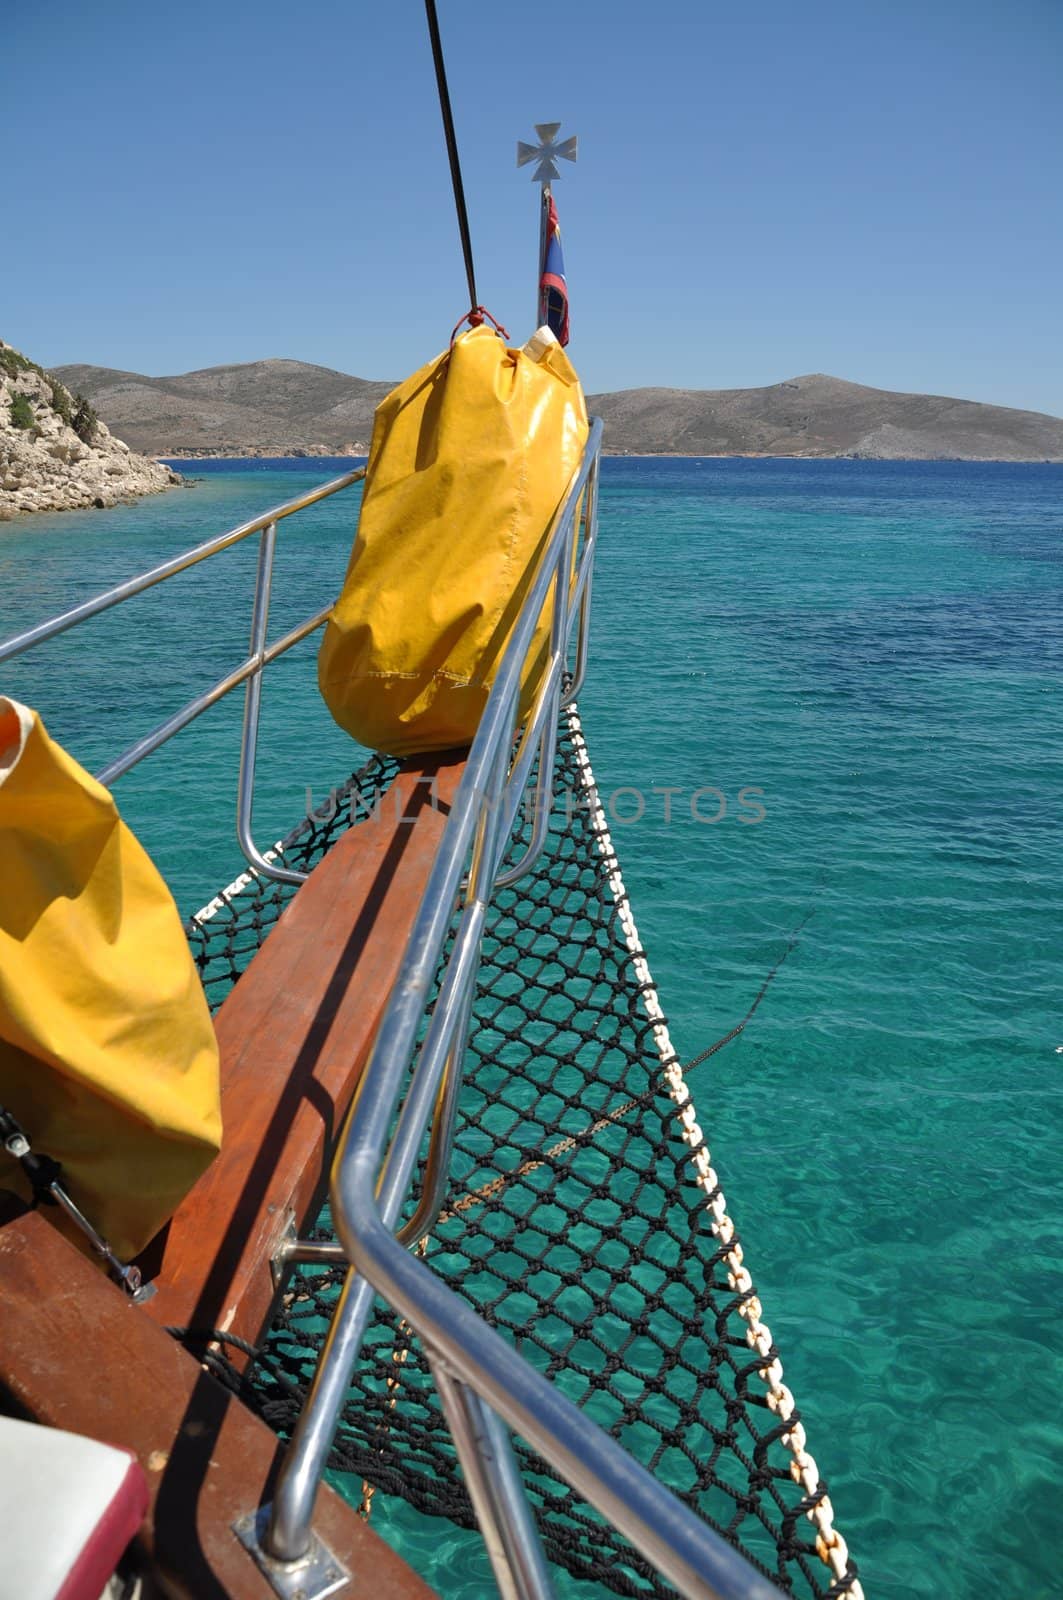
877,648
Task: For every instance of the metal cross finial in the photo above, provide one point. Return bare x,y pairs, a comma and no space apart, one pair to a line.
546,152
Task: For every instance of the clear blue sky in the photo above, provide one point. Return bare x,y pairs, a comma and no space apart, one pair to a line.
870,188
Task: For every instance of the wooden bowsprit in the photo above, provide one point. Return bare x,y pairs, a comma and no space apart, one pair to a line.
294,1034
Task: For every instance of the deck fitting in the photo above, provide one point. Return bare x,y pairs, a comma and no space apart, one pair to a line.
317,1574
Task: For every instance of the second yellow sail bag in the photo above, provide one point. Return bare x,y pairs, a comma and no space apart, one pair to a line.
469,462
108,1058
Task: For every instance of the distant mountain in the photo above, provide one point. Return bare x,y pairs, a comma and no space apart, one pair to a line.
261,405
822,416
285,406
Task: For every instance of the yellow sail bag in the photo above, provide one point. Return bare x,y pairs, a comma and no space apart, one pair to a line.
470,459
107,1052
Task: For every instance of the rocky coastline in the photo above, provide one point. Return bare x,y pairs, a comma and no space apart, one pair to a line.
56,454
263,452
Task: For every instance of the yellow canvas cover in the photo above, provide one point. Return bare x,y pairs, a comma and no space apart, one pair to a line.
107,1052
470,459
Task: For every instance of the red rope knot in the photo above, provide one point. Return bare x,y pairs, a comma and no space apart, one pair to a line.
475,319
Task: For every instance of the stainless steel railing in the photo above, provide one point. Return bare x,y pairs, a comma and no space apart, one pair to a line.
248,671
484,1384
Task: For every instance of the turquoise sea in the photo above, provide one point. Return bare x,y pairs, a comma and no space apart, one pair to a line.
877,647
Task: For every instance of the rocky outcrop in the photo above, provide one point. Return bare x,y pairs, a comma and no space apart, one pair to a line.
55,453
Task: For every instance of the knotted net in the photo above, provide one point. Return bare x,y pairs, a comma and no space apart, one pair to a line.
583,1220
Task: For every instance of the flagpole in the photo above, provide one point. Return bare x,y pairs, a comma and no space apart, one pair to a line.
544,207
545,154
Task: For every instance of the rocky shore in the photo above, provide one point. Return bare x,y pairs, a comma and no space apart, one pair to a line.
56,454
264,452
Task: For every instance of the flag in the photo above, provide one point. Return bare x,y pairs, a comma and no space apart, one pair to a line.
553,292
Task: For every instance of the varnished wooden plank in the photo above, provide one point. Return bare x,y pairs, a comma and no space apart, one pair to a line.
294,1036
75,1353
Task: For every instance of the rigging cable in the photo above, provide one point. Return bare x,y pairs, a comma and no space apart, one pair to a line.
487,1191
475,311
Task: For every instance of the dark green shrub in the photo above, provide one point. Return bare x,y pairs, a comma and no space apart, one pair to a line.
85,419
62,404
75,410
22,412
12,362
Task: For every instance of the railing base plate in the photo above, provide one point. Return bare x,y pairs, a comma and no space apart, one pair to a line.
317,1575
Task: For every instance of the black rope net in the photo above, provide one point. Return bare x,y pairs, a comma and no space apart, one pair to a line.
573,1224
228,932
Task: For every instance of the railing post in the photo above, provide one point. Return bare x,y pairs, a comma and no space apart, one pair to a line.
252,707
590,538
560,627
288,1534
493,1480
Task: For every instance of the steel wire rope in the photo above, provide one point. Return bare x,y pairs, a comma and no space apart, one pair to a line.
475,314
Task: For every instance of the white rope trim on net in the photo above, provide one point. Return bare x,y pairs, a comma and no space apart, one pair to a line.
226,896
830,1545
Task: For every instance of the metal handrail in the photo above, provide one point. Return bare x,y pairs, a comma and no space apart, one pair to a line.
481,1378
490,775
248,671
169,569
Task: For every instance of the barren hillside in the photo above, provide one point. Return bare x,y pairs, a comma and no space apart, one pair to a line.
284,406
